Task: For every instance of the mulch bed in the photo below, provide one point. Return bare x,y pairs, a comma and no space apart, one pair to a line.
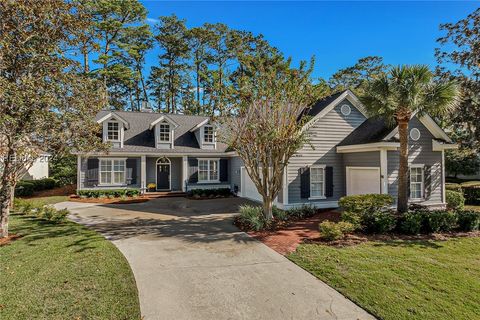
287,237
62,191
9,239
75,198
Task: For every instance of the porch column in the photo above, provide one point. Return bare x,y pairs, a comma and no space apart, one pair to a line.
184,173
79,172
143,173
384,171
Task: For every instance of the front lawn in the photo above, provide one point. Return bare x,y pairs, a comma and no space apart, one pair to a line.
47,200
402,279
64,272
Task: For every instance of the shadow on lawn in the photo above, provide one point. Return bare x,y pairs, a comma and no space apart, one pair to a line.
33,230
408,243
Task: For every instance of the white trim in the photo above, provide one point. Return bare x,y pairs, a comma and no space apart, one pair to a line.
184,172
317,166
384,171
347,171
160,119
100,184
159,154
415,130
345,109
119,131
438,146
346,95
431,126
198,126
376,146
116,116
143,173
444,192
285,185
422,185
208,171
79,172
169,163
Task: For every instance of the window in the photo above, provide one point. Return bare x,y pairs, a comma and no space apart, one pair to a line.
113,131
416,182
208,134
317,182
112,171
345,109
164,133
208,170
415,134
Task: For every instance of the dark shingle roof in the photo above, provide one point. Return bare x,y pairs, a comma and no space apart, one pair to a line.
374,129
318,106
138,138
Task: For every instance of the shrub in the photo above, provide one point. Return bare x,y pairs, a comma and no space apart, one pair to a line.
411,222
472,194
455,200
44,184
305,211
378,221
453,187
24,189
468,220
354,218
334,231
281,215
366,203
22,206
113,193
439,220
252,218
222,192
51,214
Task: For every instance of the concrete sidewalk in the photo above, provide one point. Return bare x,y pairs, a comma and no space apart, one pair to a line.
190,262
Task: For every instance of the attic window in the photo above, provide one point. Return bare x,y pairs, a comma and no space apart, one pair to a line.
415,134
345,109
113,131
208,134
164,132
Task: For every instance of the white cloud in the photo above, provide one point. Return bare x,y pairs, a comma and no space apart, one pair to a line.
152,20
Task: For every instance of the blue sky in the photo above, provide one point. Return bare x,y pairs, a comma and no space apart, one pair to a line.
337,33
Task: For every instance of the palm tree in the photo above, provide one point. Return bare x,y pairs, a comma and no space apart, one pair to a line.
398,95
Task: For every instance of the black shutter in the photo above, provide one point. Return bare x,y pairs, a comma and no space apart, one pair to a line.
92,163
329,182
192,170
304,182
132,163
408,183
223,170
427,181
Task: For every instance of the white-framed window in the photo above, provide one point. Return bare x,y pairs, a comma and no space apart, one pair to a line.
112,171
208,134
208,170
164,135
416,182
317,182
345,109
415,134
113,131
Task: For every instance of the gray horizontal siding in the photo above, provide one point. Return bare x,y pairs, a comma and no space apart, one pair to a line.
235,164
85,183
362,159
324,135
420,152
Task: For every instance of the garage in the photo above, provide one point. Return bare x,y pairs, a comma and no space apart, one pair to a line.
363,180
248,189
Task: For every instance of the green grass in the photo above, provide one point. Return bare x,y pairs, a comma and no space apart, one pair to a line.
47,200
402,279
64,272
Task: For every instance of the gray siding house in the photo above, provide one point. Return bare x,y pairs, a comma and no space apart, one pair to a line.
348,153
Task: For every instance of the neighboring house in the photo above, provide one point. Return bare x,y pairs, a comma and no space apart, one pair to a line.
38,170
351,154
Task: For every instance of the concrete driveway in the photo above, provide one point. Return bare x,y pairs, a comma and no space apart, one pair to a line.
190,262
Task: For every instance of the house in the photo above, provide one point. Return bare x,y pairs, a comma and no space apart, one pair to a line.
38,170
351,154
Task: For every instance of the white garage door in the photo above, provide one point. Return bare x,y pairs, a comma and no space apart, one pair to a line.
363,180
248,189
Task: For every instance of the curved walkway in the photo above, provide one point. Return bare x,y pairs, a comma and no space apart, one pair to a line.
190,262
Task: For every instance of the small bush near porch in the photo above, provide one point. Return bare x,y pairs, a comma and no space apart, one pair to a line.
63,271
401,279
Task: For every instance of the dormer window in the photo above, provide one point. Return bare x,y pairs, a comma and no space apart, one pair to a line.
113,132
164,134
208,134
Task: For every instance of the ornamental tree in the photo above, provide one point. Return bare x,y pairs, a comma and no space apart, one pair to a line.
46,101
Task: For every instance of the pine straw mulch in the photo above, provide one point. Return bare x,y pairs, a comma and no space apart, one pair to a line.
7,240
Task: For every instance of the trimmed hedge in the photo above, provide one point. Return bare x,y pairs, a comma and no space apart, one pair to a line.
453,187
222,192
468,220
108,193
25,188
333,231
366,203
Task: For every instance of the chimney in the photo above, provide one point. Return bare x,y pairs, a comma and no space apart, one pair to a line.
146,107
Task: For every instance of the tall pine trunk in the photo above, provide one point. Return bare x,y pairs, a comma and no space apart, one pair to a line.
402,203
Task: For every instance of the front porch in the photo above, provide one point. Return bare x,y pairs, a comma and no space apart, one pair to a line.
151,174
